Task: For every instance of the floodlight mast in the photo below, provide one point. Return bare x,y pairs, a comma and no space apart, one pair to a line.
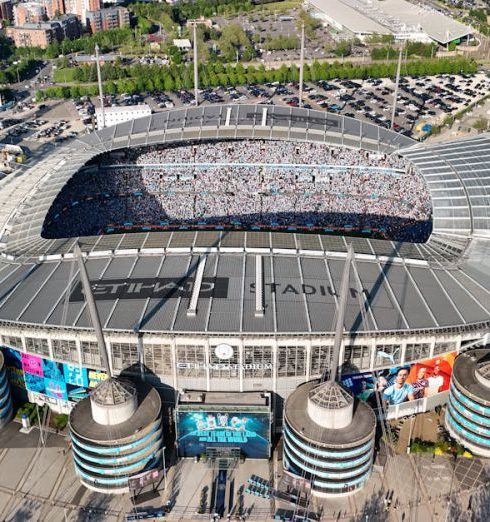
339,326
196,72
397,83
301,65
92,308
99,80
196,64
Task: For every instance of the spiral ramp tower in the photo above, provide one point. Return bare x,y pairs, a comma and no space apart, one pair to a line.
116,434
328,434
468,410
328,438
6,410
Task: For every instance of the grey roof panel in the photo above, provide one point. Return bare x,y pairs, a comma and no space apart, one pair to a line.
225,314
19,299
319,295
290,301
440,306
126,314
353,315
119,267
52,291
385,312
410,301
467,306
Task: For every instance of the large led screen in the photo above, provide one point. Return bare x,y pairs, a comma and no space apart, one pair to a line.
198,430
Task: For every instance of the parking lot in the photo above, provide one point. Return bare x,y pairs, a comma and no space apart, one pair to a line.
422,103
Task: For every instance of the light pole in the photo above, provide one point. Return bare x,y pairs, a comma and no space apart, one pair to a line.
301,65
40,425
196,73
397,82
164,469
99,80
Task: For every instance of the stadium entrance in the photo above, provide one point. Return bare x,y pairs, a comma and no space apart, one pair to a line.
222,458
224,426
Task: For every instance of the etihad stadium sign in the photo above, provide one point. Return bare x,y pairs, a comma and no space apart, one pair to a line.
223,366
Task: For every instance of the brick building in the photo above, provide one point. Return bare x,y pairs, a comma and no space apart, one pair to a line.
33,35
6,10
29,13
54,8
44,33
104,19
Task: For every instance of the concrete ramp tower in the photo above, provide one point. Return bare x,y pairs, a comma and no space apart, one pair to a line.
6,410
468,410
328,434
117,431
116,434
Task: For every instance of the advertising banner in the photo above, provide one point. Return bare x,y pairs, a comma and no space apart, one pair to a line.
402,384
50,379
75,375
32,364
196,431
13,364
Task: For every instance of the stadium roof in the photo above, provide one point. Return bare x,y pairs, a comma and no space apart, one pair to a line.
146,280
439,27
348,17
458,176
392,17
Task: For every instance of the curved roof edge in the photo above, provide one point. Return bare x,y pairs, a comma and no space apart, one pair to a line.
26,199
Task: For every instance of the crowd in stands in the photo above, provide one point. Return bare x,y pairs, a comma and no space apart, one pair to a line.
242,184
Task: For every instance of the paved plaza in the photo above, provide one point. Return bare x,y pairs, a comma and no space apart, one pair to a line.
38,483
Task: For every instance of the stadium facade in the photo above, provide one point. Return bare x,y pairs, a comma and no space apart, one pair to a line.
246,310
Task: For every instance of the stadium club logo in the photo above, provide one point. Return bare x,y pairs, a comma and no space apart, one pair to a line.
159,288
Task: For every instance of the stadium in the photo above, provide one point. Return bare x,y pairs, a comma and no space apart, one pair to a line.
241,295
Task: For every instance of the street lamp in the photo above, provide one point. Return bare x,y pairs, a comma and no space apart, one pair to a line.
164,469
196,74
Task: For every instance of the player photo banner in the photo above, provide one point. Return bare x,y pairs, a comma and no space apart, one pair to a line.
402,384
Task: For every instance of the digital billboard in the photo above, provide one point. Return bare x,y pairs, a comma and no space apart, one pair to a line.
402,384
199,430
62,381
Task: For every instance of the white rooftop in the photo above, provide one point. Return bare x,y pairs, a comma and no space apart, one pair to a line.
392,16
348,17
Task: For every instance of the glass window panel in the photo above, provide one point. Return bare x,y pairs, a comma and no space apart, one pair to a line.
65,350
417,351
158,358
13,342
387,355
90,354
39,346
257,362
191,361
123,355
320,359
224,368
291,361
